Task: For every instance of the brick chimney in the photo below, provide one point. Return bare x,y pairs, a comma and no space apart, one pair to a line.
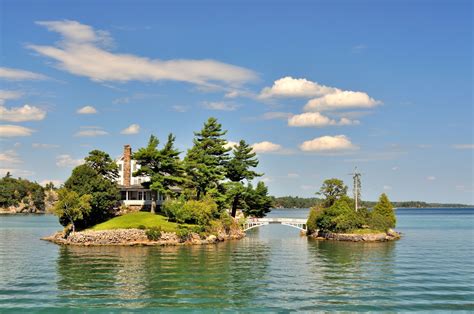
127,165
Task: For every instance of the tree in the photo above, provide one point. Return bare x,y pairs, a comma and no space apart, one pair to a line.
332,189
104,193
257,201
238,169
382,215
163,166
205,161
102,163
72,206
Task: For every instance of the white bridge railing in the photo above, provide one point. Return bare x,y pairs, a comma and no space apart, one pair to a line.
291,222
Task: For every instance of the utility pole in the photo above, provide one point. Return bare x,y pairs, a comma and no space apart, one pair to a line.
356,177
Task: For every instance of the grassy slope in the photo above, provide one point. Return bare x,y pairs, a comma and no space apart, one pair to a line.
133,220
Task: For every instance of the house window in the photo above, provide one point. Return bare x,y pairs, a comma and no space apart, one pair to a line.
123,195
120,167
140,195
132,195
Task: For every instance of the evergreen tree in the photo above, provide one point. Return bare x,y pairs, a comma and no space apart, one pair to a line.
102,163
205,161
163,166
257,201
382,215
238,169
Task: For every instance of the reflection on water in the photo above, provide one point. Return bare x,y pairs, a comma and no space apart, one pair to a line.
272,269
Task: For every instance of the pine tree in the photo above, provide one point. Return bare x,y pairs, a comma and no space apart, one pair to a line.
258,202
205,161
382,215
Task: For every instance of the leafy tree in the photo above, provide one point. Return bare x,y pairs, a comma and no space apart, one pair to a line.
332,189
163,166
382,215
314,214
205,161
258,202
16,192
340,217
105,194
102,163
238,169
72,206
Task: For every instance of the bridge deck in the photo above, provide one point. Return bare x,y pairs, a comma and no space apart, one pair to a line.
291,222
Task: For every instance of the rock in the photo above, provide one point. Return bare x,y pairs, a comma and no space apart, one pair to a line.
371,237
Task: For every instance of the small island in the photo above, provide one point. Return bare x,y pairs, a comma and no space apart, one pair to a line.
339,218
153,197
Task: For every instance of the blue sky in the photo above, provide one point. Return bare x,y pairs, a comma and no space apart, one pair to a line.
318,87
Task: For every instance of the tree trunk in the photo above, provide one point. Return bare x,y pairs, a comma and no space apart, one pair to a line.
235,203
198,195
153,202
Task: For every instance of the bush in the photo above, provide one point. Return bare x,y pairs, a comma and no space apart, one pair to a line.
382,216
340,217
153,234
183,233
193,212
141,227
314,213
174,210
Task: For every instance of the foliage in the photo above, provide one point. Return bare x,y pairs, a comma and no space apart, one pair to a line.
193,211
382,216
314,214
296,202
102,163
257,201
340,217
332,189
153,234
105,194
145,220
15,191
183,232
205,161
163,166
72,206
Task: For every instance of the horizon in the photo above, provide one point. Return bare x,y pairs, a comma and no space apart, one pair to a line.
315,89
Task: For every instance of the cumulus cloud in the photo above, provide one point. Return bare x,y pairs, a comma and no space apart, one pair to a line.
328,144
21,114
131,129
276,115
8,94
341,100
230,144
315,119
266,147
9,157
91,131
9,130
42,145
83,52
463,146
295,87
19,75
87,110
219,105
66,160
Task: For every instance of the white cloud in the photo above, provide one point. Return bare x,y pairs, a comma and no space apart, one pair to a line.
56,182
219,105
387,187
295,87
315,119
180,108
80,53
21,114
67,161
395,168
230,144
328,144
131,129
86,110
42,145
9,157
463,146
266,147
341,100
19,75
276,115
9,130
16,172
293,175
8,94
431,178
91,131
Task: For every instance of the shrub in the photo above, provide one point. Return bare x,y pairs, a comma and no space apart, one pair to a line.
174,210
340,217
183,233
382,216
141,227
153,234
314,213
200,212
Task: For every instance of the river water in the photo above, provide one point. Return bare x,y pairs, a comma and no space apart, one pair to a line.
272,269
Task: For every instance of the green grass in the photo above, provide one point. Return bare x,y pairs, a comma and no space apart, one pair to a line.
133,220
365,231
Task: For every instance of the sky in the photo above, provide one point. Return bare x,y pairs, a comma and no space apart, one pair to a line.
317,87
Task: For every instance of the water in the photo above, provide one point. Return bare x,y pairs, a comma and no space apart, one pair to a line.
272,269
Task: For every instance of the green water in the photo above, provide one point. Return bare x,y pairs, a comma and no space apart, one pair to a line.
272,269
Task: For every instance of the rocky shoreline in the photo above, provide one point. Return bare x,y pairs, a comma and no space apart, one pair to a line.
137,237
390,235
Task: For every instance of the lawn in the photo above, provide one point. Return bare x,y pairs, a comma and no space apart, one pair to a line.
365,231
134,220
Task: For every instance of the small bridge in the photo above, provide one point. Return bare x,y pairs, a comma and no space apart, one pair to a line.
291,222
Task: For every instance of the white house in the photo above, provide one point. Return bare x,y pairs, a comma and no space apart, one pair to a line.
133,194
